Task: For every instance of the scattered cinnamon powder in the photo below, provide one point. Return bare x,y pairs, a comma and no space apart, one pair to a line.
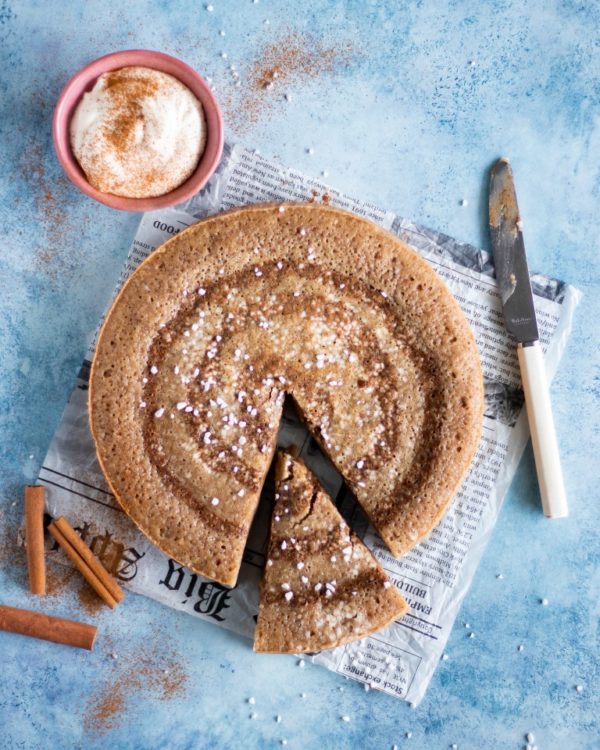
105,712
50,194
131,674
88,599
293,58
58,577
8,540
297,56
13,556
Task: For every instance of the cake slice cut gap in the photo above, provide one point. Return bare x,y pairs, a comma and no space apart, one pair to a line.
321,585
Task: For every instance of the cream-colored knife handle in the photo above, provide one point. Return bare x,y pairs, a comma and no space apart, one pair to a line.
543,434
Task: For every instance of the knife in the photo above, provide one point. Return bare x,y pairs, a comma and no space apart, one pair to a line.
512,274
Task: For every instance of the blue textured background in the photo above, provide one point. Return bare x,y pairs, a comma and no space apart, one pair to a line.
404,119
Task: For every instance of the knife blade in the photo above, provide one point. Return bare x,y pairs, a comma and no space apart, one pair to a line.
510,260
512,275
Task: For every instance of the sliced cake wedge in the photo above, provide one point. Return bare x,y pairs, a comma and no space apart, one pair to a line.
321,585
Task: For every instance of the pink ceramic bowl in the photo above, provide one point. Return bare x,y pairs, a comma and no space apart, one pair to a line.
85,80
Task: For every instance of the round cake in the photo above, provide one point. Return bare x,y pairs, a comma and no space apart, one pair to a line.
228,317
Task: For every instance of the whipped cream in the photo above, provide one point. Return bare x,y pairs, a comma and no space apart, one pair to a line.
138,133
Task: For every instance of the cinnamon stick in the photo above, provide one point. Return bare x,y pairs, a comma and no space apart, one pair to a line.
55,629
82,567
89,558
34,538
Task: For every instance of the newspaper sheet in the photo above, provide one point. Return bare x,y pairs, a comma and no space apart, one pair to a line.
436,574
